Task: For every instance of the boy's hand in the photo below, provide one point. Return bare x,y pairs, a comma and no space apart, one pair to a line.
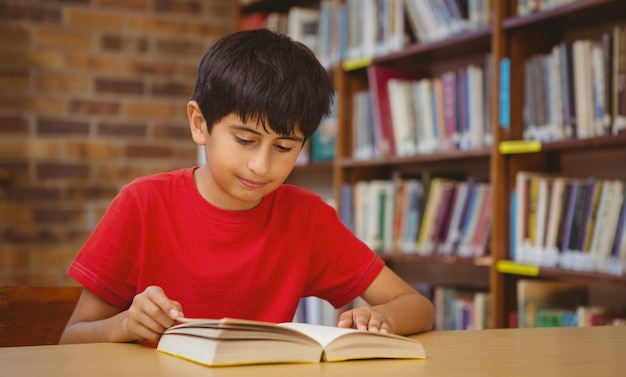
150,313
364,318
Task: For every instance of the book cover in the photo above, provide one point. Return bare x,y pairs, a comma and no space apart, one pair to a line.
378,77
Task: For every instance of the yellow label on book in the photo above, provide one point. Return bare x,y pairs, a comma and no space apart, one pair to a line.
510,267
519,146
351,65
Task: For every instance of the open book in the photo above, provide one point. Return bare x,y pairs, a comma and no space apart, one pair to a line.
230,341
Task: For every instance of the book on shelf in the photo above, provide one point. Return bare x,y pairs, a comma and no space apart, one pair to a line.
378,78
461,309
373,28
576,222
363,129
573,91
227,341
425,216
303,26
322,148
535,296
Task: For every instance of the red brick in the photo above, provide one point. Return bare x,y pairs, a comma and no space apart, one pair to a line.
108,129
64,39
60,170
181,132
91,150
123,44
58,216
122,172
172,89
36,104
61,127
34,193
14,81
15,35
14,126
178,6
83,193
156,109
180,47
84,18
15,12
97,63
145,24
23,236
94,107
14,147
12,256
64,82
187,153
151,67
147,151
41,59
116,86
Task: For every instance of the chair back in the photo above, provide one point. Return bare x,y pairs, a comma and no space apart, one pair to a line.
35,315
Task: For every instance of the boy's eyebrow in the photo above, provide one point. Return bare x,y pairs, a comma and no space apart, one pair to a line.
254,131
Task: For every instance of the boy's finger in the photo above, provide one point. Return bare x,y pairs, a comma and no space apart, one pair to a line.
158,297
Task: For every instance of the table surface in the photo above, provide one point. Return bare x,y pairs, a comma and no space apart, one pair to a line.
591,351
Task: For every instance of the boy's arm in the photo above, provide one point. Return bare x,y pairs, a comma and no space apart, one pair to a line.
95,320
395,307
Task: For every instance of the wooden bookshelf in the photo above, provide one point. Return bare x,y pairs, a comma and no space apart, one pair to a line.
519,38
511,37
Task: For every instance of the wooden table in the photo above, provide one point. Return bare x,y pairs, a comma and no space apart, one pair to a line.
570,352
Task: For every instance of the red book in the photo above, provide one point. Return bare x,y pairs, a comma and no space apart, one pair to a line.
252,21
378,76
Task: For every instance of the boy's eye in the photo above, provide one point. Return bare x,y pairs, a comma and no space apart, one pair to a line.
282,148
243,141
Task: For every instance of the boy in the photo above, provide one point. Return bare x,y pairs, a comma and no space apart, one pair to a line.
228,239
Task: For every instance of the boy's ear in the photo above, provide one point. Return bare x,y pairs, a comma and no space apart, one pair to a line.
197,124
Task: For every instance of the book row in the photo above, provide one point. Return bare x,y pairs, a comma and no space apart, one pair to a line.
526,7
558,304
401,114
362,29
577,90
420,216
434,20
571,223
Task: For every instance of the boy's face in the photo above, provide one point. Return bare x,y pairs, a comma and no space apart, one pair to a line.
244,162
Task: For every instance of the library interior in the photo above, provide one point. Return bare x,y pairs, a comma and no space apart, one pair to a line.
476,146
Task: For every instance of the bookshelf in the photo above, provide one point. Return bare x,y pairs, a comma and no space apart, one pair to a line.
519,39
500,156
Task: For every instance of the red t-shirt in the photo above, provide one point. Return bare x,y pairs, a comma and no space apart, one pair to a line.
253,264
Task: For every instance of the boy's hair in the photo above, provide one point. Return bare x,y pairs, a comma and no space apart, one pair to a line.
263,76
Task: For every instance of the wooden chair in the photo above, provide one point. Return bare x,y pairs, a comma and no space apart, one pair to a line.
35,315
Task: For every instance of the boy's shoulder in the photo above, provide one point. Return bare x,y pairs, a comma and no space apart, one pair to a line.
159,181
162,177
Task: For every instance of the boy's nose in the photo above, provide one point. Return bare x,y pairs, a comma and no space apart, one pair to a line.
260,162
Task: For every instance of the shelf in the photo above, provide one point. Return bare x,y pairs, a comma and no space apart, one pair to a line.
577,14
459,45
416,159
530,146
442,270
521,270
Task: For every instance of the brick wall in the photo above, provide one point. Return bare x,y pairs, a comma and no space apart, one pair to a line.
92,95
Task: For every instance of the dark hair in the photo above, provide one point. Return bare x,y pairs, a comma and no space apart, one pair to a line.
263,76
